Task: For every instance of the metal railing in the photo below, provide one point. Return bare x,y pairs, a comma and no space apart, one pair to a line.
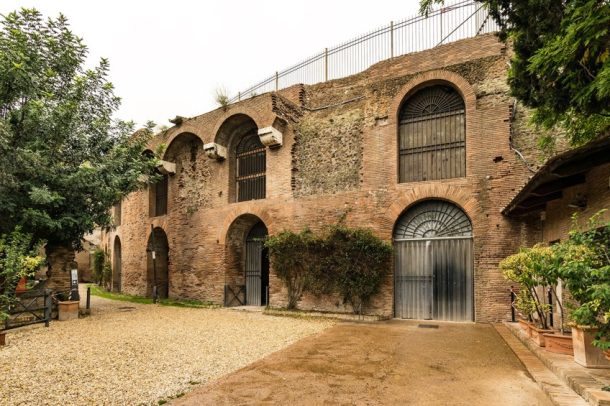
453,22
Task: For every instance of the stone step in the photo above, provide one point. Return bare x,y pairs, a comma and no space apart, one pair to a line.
558,392
587,382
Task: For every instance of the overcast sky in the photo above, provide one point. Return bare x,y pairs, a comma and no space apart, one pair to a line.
168,57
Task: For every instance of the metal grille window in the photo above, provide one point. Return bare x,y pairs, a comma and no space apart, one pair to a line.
251,166
432,135
161,197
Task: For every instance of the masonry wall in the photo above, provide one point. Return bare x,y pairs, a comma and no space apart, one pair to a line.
559,216
339,155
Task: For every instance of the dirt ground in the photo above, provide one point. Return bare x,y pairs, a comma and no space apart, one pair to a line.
391,363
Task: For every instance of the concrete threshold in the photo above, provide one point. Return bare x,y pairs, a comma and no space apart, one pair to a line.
587,383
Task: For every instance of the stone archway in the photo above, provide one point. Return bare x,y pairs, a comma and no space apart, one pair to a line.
247,265
157,263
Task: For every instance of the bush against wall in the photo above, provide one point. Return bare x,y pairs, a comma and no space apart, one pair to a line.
349,261
102,271
295,257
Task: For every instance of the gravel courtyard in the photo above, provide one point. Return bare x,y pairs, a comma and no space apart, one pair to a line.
127,353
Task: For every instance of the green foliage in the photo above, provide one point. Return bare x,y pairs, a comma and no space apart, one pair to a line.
584,265
582,262
18,259
358,260
98,291
295,258
222,98
65,160
102,270
531,268
350,261
561,62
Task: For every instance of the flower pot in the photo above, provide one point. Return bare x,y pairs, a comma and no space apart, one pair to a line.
68,310
585,353
607,354
2,338
21,285
537,334
559,343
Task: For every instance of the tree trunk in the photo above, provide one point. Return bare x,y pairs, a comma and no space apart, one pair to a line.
60,257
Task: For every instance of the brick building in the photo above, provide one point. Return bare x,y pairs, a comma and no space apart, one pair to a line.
419,148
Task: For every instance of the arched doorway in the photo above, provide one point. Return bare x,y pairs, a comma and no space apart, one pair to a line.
256,266
247,263
157,263
116,265
434,263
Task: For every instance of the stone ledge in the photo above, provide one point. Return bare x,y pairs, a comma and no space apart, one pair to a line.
558,392
324,315
584,381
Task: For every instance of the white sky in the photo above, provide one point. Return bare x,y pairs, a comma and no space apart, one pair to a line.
168,57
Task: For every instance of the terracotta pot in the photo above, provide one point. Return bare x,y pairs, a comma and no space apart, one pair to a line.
21,285
585,353
526,326
607,354
68,310
537,334
2,338
559,343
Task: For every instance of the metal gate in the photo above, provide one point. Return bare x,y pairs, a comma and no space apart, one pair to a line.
434,263
256,290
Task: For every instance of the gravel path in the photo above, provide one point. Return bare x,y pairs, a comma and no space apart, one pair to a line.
131,354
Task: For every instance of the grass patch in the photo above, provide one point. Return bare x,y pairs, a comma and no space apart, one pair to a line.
97,291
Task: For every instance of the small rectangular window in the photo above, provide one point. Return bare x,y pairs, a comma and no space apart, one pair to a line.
159,197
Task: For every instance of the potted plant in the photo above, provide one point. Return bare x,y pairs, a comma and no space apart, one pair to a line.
584,261
67,309
530,268
18,259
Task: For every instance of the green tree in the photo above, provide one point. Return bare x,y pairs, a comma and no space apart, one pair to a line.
65,159
561,62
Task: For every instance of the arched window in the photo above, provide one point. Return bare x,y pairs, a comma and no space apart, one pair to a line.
432,135
250,155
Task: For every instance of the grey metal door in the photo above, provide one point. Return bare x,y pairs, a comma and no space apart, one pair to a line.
434,263
254,265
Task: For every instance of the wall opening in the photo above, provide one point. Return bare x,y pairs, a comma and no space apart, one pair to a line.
158,270
432,135
116,265
434,267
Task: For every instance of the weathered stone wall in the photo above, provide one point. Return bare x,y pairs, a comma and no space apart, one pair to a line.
339,155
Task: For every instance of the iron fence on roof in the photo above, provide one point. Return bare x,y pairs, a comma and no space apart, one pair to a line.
453,22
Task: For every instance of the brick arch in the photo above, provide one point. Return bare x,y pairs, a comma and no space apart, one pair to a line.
251,209
450,194
452,79
185,129
232,114
181,137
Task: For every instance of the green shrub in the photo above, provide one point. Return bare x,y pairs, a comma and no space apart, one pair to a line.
18,259
349,261
102,270
358,261
584,266
294,257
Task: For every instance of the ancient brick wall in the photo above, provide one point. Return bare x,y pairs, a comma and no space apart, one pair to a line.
595,190
339,155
